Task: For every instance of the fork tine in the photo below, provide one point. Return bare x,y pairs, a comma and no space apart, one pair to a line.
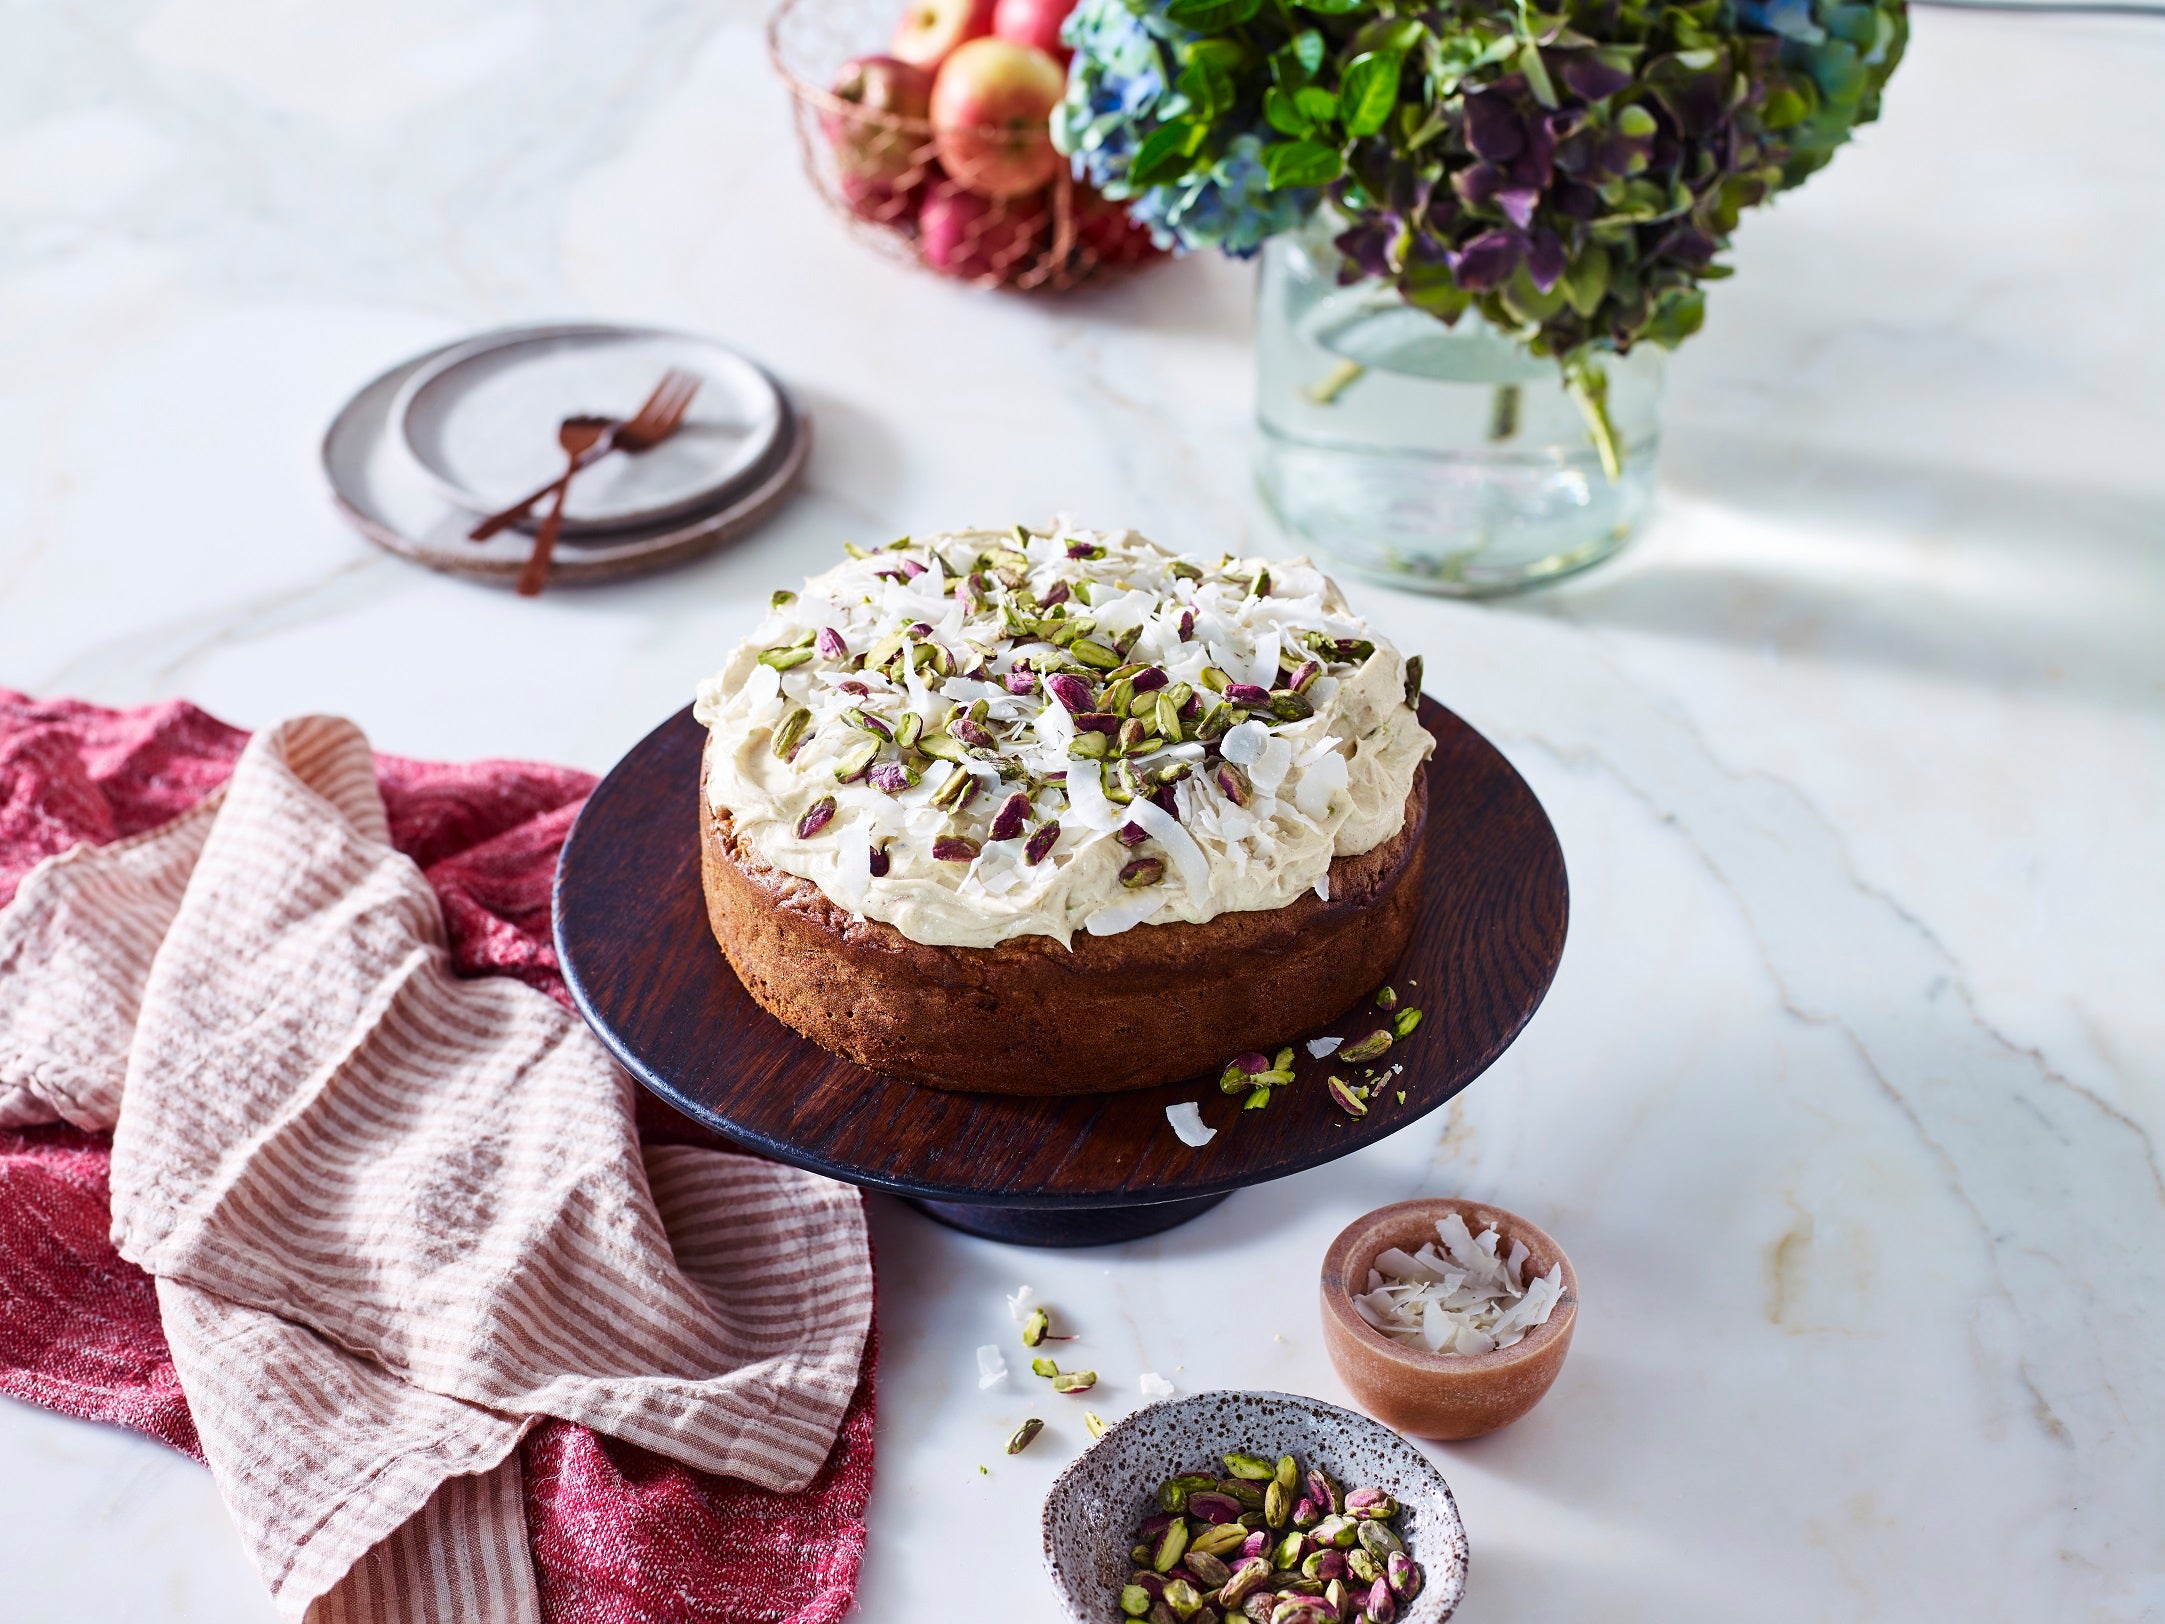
660,414
681,404
657,400
660,389
687,387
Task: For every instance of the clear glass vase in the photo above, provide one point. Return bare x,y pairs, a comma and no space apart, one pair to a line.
1440,458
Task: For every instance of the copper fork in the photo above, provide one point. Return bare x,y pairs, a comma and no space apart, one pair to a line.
577,436
660,416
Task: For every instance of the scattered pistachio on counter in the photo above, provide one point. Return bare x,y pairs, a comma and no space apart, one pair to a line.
1044,1367
1074,1381
1024,1434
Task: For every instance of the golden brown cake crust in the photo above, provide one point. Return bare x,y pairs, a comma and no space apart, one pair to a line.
1029,1016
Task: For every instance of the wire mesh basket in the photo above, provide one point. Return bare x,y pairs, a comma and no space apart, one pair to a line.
901,184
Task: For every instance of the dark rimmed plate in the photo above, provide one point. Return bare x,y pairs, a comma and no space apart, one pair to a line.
632,935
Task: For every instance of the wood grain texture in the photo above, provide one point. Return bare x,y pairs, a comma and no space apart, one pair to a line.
631,931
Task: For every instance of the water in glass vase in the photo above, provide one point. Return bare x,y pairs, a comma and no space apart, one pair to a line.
1441,458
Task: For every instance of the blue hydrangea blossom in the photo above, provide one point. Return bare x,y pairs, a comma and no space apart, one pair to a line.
1118,91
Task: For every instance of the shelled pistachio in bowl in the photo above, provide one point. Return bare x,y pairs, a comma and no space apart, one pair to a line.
1366,1528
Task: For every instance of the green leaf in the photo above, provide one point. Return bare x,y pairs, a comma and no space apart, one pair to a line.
1368,92
1528,303
1784,107
1316,104
1422,129
1427,285
1208,87
1389,34
1677,317
1228,54
1333,8
1168,154
1586,279
1537,74
1283,114
1301,163
1212,16
1307,49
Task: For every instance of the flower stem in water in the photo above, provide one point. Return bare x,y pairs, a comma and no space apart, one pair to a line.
1589,386
1503,412
1343,377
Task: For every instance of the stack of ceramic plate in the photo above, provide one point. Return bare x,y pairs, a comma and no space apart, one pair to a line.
422,453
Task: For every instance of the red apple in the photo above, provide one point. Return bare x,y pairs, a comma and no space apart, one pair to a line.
893,206
964,235
992,116
871,137
1108,233
930,29
1033,22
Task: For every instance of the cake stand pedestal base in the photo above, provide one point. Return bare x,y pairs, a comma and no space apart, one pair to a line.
1078,1226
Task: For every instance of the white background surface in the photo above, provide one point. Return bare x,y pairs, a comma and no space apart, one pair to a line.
1845,1100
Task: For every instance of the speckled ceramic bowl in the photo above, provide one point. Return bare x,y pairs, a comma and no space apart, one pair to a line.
1440,1395
1096,1503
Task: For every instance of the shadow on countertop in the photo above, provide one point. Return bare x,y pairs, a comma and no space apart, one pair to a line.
2010,578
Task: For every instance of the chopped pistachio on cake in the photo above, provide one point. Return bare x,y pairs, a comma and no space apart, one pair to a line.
982,735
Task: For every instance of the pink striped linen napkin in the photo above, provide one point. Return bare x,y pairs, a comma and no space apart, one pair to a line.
396,1217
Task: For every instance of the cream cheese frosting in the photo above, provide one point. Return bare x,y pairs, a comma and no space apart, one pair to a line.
986,734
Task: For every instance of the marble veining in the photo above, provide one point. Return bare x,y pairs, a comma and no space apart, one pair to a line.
1847,1099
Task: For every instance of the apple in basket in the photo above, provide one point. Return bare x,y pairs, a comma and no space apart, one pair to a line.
1107,233
930,29
1033,22
992,116
872,149
961,234
874,200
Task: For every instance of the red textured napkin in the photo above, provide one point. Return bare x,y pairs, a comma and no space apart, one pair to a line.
615,1532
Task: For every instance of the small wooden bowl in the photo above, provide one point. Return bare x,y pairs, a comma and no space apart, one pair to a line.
1440,1395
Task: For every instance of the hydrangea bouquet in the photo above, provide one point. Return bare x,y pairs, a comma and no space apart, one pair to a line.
1569,175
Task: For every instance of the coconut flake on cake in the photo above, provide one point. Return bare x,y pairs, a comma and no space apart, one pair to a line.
1208,736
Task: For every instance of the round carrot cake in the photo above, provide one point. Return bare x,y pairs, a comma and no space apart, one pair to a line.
1056,811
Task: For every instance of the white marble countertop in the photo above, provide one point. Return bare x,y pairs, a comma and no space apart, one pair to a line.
1845,1102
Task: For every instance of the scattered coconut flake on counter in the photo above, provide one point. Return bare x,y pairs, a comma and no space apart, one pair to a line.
1464,1299
1018,1304
1154,1386
1187,1121
991,1366
1319,1047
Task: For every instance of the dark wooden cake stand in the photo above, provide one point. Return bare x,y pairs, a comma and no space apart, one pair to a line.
631,931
